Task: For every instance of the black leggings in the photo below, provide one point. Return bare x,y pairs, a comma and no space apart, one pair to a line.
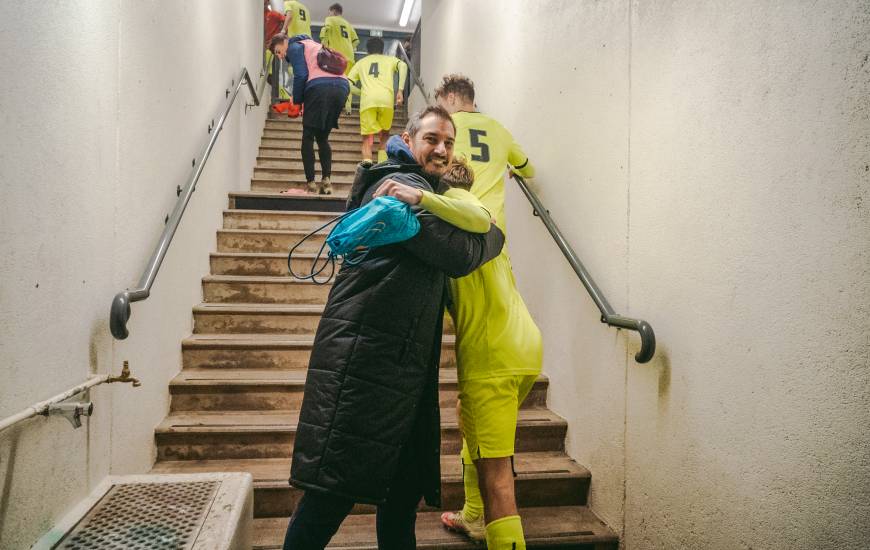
309,134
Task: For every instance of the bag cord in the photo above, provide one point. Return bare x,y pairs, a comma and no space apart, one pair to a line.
330,257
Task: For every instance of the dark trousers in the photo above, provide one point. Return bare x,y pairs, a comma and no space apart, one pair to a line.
309,135
318,515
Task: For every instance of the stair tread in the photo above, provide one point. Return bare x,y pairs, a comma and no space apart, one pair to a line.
283,213
283,279
282,255
546,525
271,195
299,232
289,309
274,472
251,377
266,339
287,421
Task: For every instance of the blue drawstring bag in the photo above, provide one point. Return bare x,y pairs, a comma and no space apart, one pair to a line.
383,221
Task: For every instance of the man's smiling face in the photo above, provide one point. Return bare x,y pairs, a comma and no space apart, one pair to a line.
432,145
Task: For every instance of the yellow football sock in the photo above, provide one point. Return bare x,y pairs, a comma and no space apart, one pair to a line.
473,508
382,155
505,534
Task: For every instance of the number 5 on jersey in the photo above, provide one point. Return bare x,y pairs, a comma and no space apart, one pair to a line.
474,138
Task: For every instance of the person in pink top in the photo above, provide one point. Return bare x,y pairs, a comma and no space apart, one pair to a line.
322,95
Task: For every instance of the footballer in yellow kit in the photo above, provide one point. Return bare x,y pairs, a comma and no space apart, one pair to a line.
499,348
340,35
489,148
298,18
498,351
375,73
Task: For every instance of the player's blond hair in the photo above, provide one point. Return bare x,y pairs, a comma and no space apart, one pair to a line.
458,84
459,174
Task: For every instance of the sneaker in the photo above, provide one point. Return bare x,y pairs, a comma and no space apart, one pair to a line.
312,187
325,186
473,529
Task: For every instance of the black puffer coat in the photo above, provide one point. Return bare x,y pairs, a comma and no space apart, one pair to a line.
372,385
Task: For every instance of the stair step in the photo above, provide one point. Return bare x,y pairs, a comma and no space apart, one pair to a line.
262,290
339,173
296,203
267,265
264,318
227,390
543,479
263,264
344,126
264,351
291,142
275,219
271,161
352,154
268,184
268,240
210,435
259,318
347,135
564,527
399,116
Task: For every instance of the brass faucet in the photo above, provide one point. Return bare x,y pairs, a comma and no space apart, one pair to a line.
125,376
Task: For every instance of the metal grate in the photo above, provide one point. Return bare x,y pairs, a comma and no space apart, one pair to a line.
144,516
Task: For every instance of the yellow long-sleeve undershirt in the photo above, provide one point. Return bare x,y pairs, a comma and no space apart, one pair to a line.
458,208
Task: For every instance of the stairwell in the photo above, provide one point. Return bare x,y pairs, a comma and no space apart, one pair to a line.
234,405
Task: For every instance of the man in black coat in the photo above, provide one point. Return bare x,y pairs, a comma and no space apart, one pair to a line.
369,427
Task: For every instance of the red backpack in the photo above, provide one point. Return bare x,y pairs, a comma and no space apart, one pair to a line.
331,61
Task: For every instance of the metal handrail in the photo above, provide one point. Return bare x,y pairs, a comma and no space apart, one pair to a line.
417,80
608,316
120,310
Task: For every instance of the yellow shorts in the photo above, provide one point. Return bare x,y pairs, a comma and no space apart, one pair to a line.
374,120
489,414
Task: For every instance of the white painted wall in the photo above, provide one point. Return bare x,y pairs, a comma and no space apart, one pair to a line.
102,109
709,163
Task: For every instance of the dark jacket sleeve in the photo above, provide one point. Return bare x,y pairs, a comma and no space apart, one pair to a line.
295,56
446,247
452,250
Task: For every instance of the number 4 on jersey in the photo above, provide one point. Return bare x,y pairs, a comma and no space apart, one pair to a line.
474,138
373,70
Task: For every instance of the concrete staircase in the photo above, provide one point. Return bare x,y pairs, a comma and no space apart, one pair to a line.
234,405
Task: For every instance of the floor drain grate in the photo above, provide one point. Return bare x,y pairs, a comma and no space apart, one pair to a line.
144,516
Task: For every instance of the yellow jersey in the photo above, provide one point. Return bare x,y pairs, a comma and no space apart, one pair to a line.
489,148
301,18
375,74
340,35
495,333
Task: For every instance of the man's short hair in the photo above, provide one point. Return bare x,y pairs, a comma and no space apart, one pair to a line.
275,40
336,8
416,120
459,174
458,84
375,45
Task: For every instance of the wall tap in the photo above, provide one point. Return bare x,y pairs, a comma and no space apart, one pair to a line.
125,376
